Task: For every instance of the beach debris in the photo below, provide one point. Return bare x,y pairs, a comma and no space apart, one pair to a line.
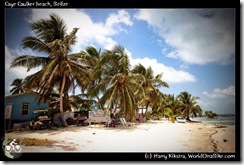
225,140
219,126
93,133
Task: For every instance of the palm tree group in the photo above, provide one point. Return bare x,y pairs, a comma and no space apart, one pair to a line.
105,76
183,104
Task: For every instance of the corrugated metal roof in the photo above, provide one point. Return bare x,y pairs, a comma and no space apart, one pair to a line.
24,93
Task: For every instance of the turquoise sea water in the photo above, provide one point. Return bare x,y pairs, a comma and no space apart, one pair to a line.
218,120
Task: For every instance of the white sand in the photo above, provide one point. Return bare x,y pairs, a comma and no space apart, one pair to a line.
154,136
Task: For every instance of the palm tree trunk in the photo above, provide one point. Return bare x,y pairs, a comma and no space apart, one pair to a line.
115,106
100,105
188,116
146,110
61,102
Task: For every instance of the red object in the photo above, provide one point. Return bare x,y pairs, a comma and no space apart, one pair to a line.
141,119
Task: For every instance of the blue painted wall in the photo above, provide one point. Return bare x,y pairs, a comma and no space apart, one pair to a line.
93,107
17,105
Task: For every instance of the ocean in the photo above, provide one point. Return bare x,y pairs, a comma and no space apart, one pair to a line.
219,120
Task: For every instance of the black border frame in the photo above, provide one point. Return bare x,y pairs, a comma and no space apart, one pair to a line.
135,157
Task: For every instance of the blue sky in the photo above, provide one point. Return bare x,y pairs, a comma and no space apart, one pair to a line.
194,48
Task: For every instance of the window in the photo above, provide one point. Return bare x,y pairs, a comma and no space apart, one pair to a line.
25,108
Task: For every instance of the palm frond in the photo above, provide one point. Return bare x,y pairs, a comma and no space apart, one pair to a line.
70,39
35,44
29,61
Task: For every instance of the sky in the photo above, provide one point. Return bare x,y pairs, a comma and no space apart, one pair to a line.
193,48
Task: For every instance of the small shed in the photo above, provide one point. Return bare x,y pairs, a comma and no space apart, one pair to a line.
19,107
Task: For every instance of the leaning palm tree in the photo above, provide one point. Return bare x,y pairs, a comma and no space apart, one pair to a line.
120,84
59,69
196,111
151,84
189,104
18,86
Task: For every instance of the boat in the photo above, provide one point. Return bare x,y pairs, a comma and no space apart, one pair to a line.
180,119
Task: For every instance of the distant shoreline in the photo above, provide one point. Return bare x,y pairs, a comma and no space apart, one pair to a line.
218,120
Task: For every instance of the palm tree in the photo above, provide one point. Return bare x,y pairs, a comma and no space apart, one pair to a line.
59,70
172,106
151,84
159,109
165,105
189,104
18,86
120,84
92,57
196,111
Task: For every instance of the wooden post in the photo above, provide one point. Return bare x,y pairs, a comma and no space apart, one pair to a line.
8,113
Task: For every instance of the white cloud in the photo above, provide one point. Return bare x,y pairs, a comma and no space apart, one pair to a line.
17,72
89,32
219,100
221,93
184,66
217,106
101,33
121,17
170,75
205,104
173,54
199,36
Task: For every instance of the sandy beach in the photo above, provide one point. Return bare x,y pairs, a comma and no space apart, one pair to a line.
153,136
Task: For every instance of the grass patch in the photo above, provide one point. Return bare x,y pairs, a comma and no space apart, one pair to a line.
35,142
